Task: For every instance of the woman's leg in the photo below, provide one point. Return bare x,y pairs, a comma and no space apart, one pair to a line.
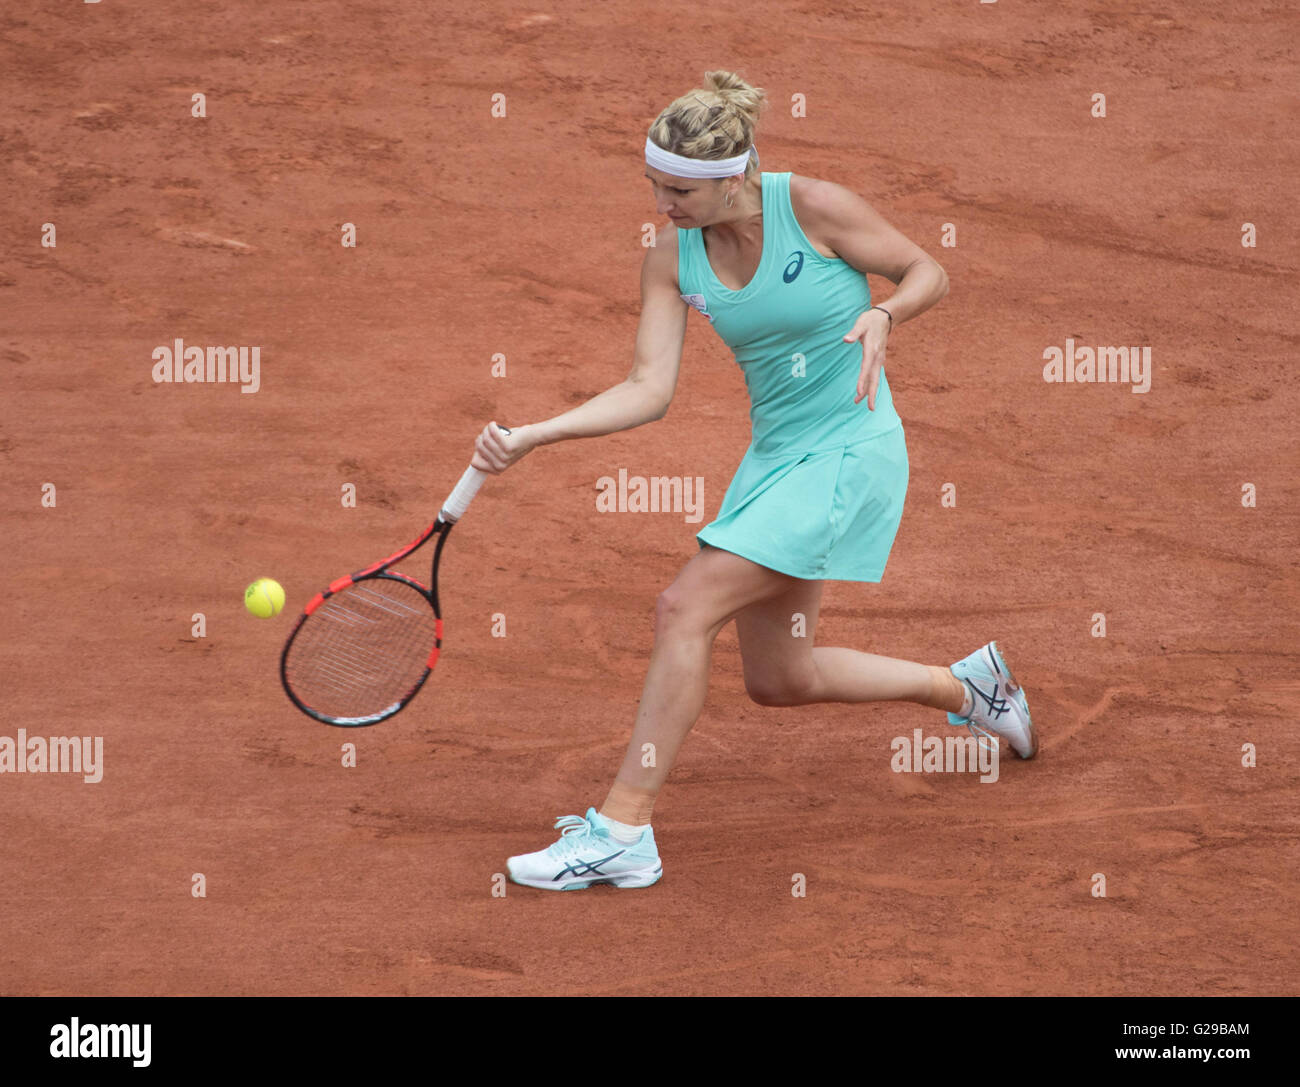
784,668
710,590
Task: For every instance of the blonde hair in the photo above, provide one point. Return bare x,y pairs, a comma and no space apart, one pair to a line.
712,122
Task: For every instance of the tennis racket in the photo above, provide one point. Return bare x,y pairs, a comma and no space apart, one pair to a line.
363,648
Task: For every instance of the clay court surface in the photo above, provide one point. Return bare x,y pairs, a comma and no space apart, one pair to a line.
522,235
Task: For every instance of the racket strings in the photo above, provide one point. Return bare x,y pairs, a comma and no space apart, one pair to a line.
363,649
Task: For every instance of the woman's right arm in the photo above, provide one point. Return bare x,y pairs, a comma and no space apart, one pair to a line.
642,397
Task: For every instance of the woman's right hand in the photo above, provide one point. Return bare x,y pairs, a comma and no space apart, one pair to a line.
495,449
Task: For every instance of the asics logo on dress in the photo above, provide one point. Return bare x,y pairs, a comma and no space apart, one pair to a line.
583,868
793,266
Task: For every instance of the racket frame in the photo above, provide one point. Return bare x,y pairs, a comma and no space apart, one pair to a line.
377,571
452,511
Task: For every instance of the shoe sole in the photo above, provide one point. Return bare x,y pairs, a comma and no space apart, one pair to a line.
1001,664
625,881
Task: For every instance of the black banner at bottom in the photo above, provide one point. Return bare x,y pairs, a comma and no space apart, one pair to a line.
336,1036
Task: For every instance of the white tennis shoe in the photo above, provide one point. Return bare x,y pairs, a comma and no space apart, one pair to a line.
1000,708
587,854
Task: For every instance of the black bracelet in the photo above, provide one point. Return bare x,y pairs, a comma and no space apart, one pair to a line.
887,314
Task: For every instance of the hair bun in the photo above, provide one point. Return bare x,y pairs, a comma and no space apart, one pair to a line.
716,121
738,94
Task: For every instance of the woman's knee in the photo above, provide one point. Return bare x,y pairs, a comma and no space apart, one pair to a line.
689,611
710,590
677,609
793,688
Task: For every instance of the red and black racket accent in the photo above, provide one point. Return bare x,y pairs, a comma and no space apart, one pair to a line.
363,648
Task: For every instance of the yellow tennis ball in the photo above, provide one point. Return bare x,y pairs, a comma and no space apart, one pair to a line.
264,598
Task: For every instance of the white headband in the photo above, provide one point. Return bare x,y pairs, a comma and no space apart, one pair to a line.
681,166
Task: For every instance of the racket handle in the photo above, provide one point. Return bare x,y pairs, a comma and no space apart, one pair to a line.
461,496
464,491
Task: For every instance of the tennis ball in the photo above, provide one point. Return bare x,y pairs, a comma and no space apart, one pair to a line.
264,598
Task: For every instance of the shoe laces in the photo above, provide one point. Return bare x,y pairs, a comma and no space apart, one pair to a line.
574,831
983,736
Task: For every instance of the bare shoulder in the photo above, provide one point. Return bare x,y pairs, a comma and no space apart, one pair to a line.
822,207
851,229
659,267
813,193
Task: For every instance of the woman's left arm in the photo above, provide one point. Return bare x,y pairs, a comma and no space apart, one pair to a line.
858,234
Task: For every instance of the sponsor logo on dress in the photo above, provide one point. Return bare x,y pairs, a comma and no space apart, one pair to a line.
699,302
793,266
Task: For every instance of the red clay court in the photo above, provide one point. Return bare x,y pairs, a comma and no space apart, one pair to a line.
521,236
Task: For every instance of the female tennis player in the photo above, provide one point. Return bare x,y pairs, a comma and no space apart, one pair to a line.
777,263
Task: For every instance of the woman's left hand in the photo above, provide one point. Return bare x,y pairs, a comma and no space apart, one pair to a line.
871,329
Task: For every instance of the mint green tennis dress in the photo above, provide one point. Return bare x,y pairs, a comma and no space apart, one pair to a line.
819,493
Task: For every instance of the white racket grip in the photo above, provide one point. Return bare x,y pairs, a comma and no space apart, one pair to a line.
462,495
464,491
